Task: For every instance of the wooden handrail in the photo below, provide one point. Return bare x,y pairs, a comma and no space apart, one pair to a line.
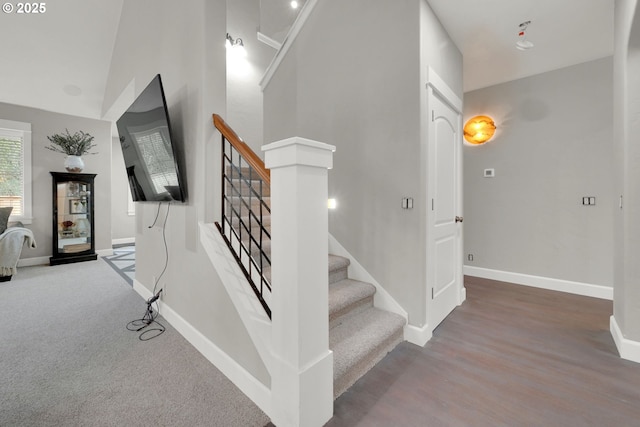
245,151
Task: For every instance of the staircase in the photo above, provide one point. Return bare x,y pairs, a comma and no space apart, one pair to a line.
359,334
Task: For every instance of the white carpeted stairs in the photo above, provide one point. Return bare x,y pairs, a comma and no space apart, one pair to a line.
360,334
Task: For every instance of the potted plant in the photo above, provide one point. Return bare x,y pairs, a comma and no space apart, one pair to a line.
74,146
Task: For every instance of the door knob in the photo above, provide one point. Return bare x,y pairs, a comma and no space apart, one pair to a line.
458,219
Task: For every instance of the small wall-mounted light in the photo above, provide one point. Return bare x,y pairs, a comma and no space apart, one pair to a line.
332,204
479,129
236,44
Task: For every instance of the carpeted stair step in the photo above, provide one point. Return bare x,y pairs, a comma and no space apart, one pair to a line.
338,268
348,298
361,341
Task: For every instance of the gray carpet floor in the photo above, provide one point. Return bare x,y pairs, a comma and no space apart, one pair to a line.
66,358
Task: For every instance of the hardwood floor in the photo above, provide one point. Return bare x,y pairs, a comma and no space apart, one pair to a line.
509,356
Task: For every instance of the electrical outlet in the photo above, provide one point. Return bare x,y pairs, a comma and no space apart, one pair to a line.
470,257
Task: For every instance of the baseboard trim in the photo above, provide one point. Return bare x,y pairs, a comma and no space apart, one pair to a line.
578,288
254,389
42,260
104,252
417,335
124,241
30,262
463,295
628,349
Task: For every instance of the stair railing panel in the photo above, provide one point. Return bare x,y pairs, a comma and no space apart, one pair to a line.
245,210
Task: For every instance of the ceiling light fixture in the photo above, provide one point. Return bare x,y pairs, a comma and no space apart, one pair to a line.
294,4
523,43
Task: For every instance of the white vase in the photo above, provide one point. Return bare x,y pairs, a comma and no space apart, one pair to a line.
73,164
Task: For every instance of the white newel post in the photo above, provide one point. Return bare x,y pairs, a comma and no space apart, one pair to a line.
302,380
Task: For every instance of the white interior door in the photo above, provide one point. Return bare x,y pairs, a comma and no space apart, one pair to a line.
444,250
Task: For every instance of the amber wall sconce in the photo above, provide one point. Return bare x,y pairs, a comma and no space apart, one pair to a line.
479,129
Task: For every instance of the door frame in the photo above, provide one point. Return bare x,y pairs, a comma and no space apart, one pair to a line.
436,86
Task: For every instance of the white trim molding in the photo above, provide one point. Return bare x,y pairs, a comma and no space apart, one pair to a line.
304,14
417,335
104,252
269,41
123,241
30,262
628,349
253,388
42,260
438,84
578,288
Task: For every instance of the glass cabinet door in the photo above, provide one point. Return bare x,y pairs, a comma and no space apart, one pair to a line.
73,222
74,226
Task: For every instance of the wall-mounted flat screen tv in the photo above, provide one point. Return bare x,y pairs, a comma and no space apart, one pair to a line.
149,151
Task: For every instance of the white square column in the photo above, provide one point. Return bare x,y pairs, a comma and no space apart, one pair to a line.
302,379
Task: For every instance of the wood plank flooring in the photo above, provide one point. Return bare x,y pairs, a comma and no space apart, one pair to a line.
509,356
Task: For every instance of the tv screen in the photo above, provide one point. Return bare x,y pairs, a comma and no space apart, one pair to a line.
148,148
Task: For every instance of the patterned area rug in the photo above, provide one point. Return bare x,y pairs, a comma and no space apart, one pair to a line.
123,261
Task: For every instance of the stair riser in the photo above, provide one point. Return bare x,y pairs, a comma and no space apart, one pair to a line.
342,383
336,276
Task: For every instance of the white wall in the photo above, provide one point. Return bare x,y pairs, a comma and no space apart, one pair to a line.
244,95
354,79
185,45
626,150
46,123
553,145
123,225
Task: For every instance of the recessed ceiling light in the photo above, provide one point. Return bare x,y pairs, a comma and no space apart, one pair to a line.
294,4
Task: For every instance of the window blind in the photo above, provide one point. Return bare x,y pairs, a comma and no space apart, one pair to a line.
11,173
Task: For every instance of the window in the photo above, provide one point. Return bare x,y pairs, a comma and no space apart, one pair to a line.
15,169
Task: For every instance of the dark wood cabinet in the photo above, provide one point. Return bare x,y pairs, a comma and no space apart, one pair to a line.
73,221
